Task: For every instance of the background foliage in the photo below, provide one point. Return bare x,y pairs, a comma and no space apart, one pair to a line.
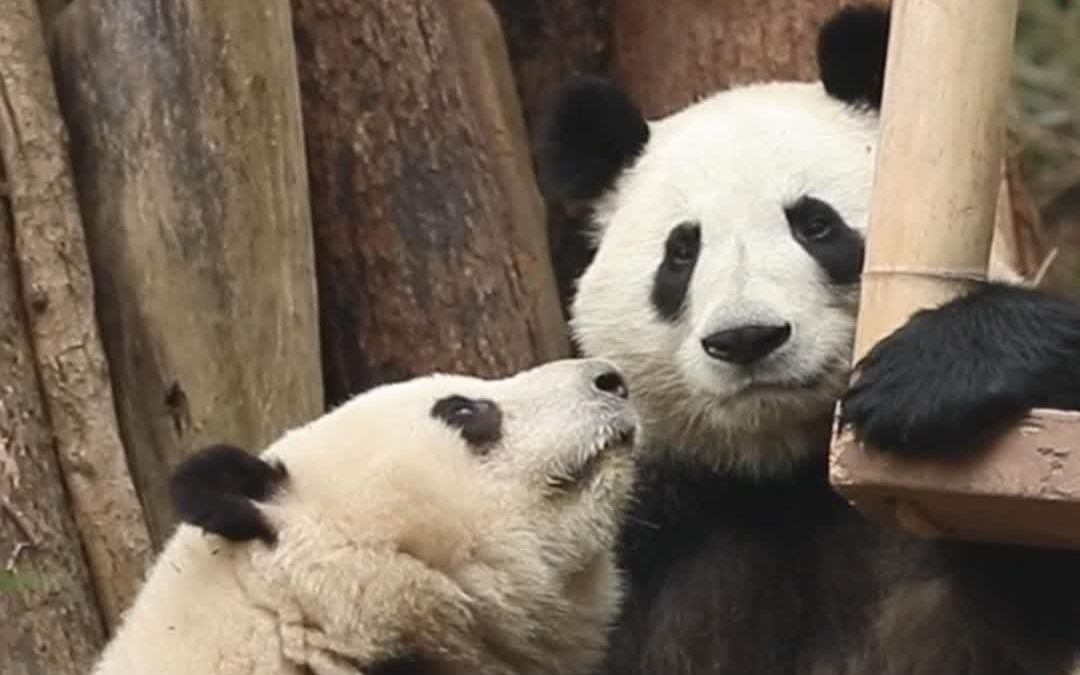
1045,108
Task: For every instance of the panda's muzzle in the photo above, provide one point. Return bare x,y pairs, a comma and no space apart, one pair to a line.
615,438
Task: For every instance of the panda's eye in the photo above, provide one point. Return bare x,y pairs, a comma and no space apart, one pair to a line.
478,420
683,245
817,227
812,219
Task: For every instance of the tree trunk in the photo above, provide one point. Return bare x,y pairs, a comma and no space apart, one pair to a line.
485,65
548,41
54,280
421,266
51,620
671,53
188,151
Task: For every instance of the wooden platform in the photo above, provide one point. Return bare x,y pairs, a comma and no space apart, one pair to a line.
1024,489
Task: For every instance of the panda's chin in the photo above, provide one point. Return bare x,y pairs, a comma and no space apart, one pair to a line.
776,388
755,425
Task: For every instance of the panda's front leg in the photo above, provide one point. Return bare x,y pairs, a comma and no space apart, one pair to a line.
954,377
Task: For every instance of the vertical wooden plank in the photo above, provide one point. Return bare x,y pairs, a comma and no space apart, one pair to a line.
189,159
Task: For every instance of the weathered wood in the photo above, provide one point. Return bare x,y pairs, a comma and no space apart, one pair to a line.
548,41
668,54
420,267
57,292
189,159
1022,489
51,620
485,64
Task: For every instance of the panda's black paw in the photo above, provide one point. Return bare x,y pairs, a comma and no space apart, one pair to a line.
953,378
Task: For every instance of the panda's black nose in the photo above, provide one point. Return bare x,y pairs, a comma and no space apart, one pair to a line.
746,344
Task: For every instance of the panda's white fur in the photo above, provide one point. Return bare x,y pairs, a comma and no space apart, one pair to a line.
715,163
397,539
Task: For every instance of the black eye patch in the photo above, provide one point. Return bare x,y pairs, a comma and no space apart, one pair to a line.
478,420
822,233
673,275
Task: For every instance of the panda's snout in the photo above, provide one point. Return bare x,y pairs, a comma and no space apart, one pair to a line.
746,344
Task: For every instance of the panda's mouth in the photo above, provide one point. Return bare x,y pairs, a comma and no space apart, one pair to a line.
771,386
613,439
613,436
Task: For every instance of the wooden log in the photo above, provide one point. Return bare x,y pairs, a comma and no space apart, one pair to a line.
486,67
548,42
667,54
188,149
931,221
420,266
57,294
40,555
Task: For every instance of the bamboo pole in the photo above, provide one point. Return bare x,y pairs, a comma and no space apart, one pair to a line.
931,226
939,158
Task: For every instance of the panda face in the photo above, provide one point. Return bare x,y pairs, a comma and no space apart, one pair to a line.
444,524
724,280
422,459
728,247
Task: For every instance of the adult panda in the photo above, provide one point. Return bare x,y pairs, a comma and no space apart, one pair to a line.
441,526
728,248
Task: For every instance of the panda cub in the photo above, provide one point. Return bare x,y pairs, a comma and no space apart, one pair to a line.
445,525
728,249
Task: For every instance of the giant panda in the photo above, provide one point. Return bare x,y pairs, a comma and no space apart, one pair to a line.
444,525
727,250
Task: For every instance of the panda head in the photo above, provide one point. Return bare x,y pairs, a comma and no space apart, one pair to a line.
511,490
547,448
729,245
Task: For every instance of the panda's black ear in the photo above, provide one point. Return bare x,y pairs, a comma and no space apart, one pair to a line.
851,51
592,132
215,488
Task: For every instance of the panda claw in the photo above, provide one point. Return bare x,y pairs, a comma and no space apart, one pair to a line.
953,378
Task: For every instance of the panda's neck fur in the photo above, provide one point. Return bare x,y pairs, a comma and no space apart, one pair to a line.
675,498
764,454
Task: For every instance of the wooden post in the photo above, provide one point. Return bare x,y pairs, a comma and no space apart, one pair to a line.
414,195
189,161
50,254
931,224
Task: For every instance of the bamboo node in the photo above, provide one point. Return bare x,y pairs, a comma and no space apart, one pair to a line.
975,276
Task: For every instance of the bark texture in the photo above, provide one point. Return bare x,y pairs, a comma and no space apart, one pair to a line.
668,54
422,264
548,41
51,619
56,288
188,150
